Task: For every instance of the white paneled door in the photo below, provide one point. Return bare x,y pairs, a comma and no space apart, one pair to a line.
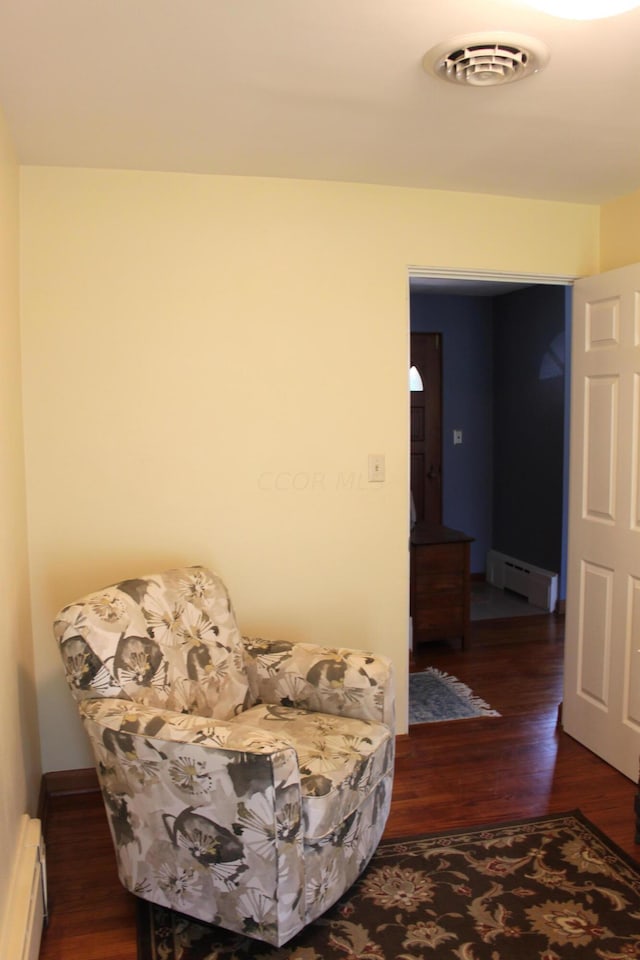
602,660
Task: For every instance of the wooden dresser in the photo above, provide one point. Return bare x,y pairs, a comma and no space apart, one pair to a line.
440,583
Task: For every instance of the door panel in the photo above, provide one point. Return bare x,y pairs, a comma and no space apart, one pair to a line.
632,699
602,660
596,585
635,453
601,430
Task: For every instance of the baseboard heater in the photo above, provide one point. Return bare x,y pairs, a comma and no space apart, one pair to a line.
27,907
539,586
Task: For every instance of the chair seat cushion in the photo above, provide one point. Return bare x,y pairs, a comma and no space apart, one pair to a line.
341,759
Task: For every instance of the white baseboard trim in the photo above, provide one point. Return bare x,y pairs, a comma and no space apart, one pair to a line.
26,909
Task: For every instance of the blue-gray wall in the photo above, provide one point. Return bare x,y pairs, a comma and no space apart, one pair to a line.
528,425
503,364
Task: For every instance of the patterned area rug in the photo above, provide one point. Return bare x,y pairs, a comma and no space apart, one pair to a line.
436,696
554,888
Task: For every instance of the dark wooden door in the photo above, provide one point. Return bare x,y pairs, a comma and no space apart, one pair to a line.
426,427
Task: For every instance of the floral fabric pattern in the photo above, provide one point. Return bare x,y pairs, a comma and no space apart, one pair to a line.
168,641
341,760
246,784
347,683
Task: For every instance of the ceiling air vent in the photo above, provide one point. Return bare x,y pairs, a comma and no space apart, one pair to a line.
486,59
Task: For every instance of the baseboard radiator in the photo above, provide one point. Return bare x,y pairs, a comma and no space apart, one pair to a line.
27,907
539,586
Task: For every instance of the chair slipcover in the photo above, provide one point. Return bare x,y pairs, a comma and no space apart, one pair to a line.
247,782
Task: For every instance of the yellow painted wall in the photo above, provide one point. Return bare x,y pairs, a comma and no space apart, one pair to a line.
208,363
620,232
19,745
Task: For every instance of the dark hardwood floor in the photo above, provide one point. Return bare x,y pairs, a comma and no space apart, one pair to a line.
468,772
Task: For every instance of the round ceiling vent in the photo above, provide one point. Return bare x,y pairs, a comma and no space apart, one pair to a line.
486,59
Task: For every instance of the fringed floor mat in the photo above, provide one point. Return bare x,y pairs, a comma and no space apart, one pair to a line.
435,696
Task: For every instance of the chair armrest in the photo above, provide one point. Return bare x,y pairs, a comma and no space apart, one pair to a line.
341,681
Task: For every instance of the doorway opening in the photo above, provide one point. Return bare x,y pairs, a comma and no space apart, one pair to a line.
505,368
505,354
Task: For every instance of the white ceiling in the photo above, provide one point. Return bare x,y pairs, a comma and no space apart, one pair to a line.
331,90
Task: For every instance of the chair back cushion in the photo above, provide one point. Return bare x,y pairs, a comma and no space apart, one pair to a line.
168,640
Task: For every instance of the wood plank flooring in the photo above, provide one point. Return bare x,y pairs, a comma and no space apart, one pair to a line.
467,772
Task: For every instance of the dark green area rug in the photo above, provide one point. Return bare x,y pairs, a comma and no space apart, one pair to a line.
553,888
435,696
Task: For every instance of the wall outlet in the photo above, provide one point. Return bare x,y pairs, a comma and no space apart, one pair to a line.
457,437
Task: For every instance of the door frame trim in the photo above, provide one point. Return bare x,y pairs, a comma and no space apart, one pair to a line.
453,273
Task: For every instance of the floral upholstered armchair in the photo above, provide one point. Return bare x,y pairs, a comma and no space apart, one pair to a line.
247,782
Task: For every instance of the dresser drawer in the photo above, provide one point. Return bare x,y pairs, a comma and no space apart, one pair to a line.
441,558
